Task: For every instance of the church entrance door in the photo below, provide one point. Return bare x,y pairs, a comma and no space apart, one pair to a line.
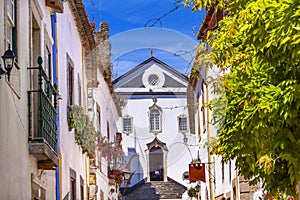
156,164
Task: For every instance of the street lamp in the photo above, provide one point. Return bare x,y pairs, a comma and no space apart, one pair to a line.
8,61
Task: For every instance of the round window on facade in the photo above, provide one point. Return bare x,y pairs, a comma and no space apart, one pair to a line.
153,79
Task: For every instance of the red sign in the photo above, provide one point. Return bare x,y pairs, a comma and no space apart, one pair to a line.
197,172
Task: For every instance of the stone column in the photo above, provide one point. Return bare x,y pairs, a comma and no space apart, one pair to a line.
148,165
165,153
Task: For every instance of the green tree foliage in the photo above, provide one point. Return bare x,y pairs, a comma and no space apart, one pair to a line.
258,47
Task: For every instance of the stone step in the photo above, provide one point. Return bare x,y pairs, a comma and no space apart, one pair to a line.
156,190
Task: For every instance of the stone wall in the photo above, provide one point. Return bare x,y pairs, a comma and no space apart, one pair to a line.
103,46
247,191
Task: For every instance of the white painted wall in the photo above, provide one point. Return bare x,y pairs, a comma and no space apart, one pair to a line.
178,155
221,186
109,114
139,110
71,153
17,166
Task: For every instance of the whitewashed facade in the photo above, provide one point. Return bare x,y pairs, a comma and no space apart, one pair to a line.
105,119
40,158
28,158
73,43
223,176
104,111
155,145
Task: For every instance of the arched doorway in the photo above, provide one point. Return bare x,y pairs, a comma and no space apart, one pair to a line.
156,164
156,160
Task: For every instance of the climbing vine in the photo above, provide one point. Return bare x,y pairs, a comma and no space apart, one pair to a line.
258,45
85,133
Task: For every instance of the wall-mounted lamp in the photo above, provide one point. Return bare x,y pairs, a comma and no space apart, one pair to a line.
8,61
185,139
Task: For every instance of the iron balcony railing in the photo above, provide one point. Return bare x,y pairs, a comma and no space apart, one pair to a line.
42,109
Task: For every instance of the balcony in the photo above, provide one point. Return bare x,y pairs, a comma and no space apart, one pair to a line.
42,119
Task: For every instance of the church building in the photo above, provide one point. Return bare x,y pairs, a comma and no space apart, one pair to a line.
154,125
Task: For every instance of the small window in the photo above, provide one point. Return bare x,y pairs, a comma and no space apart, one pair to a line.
154,120
127,124
153,79
98,118
70,80
182,123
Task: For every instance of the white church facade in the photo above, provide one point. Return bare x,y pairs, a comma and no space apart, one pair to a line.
154,124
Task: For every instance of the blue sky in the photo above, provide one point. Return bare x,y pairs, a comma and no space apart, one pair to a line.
172,37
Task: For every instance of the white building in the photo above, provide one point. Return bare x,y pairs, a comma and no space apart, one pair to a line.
156,135
75,39
104,110
27,120
223,176
40,158
225,182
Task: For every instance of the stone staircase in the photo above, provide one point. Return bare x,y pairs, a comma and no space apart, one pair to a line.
156,190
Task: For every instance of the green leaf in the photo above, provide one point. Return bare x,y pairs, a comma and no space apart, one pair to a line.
257,111
285,40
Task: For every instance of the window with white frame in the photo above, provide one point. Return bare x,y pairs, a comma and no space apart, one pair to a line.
182,123
127,124
70,80
155,116
98,118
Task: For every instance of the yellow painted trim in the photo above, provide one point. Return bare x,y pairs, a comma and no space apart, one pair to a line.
60,173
